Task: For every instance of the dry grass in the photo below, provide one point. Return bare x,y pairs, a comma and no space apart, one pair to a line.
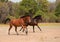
50,33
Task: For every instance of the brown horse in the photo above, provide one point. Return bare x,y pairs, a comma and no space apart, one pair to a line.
19,22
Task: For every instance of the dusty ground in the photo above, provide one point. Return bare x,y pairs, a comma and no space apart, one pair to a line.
50,33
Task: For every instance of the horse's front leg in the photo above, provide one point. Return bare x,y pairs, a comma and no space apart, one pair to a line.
22,29
26,31
39,28
16,30
33,29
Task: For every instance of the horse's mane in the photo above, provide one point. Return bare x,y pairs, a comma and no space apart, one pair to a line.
24,16
37,17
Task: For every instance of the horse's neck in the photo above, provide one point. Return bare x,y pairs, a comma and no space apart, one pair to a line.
35,20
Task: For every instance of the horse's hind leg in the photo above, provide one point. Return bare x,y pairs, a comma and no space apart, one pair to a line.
9,29
39,28
16,30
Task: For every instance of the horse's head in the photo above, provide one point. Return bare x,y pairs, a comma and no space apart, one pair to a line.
27,18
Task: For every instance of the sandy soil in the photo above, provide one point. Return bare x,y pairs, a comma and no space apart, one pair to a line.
50,33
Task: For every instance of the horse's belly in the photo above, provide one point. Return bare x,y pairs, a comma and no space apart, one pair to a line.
17,24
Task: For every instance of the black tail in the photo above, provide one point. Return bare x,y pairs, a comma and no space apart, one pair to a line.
7,19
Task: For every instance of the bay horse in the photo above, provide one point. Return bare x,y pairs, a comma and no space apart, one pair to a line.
19,22
34,22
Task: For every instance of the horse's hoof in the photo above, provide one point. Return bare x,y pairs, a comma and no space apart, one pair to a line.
17,34
40,30
8,33
34,31
26,33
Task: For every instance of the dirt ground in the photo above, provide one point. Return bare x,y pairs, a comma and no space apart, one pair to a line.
50,33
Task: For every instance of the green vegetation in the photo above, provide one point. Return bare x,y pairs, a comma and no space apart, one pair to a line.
57,12
29,7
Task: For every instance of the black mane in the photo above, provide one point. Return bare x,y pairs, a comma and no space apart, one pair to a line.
24,16
37,18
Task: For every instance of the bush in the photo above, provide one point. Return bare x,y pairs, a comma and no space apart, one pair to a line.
43,14
52,17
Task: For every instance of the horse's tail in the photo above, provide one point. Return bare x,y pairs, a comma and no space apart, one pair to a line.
7,19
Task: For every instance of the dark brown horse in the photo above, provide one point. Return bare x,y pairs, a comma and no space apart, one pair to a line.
19,22
34,22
